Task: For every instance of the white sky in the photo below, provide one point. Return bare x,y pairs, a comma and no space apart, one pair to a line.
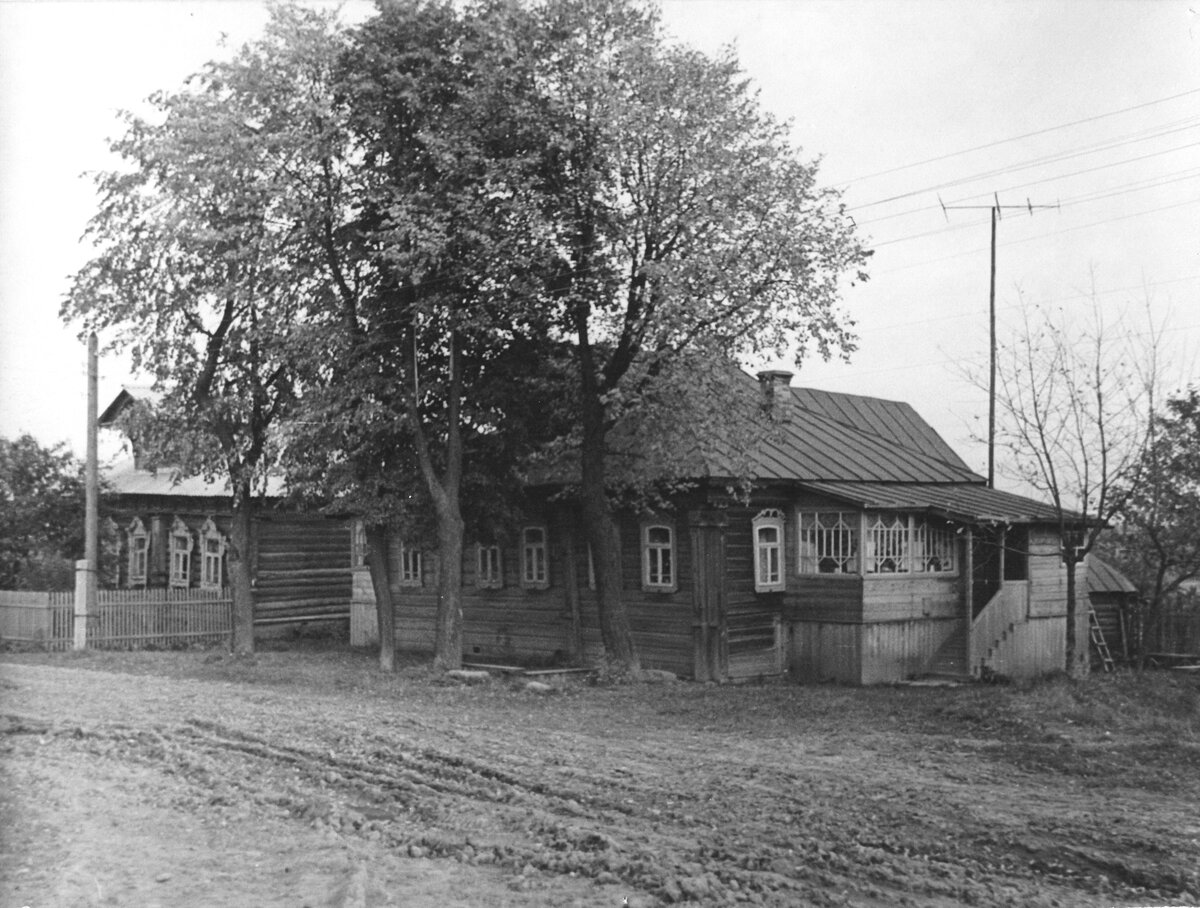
870,86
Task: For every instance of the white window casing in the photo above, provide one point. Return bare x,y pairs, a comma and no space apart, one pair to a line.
768,535
139,552
489,572
411,566
212,556
535,566
658,558
180,547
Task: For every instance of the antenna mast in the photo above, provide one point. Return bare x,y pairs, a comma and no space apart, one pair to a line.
995,208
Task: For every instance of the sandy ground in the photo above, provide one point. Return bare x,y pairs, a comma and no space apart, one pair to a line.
309,779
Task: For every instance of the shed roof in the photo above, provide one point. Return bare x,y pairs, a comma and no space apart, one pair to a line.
970,502
1102,577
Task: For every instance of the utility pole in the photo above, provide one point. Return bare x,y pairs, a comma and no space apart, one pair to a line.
87,570
995,208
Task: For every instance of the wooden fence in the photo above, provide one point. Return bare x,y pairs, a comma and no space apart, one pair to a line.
123,619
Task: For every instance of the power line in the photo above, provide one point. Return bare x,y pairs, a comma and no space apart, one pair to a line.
1027,135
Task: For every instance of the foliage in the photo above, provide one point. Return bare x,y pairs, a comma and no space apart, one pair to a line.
42,502
1158,546
204,259
687,232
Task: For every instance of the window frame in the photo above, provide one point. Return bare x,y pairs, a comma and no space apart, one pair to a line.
535,555
210,532
412,567
776,582
179,562
358,544
139,551
653,560
489,575
809,526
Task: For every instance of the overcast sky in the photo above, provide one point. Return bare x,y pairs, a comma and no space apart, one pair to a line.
1093,106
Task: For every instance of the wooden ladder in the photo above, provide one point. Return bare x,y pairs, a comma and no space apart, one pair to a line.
1098,640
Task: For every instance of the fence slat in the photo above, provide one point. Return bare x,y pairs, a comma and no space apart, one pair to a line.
124,619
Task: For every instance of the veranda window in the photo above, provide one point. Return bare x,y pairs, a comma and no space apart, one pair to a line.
828,542
181,554
933,547
658,559
212,554
887,544
489,571
139,552
534,570
768,551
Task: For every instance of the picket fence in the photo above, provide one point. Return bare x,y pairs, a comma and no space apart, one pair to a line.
123,619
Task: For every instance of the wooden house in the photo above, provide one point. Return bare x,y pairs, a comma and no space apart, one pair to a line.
867,552
174,533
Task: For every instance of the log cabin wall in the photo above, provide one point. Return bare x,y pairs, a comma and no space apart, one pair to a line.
300,563
301,568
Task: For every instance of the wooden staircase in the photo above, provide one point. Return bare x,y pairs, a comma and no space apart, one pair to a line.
950,660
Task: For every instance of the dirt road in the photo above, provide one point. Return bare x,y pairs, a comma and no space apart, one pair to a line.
293,779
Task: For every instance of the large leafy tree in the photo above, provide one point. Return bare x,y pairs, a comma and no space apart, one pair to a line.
418,364
205,260
41,510
1159,546
687,229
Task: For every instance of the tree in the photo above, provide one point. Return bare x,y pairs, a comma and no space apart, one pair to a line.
687,229
204,261
41,514
414,371
1073,404
1160,524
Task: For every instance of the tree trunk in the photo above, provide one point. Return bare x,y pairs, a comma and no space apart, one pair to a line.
1071,669
571,590
241,571
381,583
604,536
447,652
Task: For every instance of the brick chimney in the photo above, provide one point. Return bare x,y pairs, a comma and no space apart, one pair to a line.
776,396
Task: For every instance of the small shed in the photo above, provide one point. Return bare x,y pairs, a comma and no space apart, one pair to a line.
1112,597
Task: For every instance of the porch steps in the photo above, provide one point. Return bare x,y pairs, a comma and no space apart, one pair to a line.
950,662
1098,641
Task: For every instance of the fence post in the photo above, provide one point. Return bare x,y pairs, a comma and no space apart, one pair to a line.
83,579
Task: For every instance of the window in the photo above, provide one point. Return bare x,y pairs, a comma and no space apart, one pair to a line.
181,553
658,545
828,542
534,570
139,552
887,544
768,551
212,555
489,572
410,566
933,548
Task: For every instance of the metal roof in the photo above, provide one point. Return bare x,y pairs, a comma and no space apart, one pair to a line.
970,502
126,479
1102,577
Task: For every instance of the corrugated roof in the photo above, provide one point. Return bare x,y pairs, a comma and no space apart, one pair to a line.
1102,577
959,501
